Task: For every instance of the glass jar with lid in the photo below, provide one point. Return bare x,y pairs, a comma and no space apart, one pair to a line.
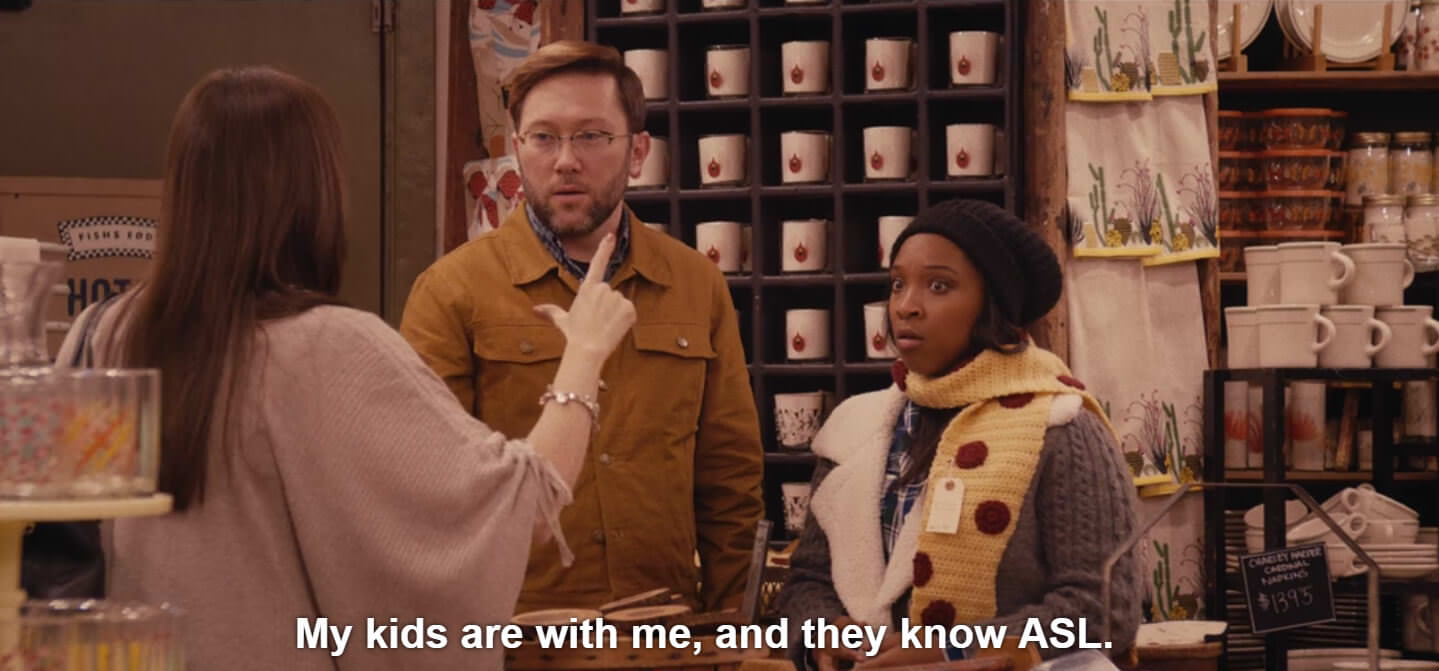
1368,167
1383,218
1411,163
1421,227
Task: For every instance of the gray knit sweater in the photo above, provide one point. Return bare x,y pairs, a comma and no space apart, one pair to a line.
355,487
1077,510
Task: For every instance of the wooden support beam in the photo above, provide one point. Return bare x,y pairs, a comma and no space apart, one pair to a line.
1045,178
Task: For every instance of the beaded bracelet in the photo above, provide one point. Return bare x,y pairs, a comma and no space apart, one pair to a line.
563,397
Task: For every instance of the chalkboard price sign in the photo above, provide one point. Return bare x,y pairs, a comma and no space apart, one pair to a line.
1287,588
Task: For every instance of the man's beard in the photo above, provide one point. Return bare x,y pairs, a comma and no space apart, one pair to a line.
604,201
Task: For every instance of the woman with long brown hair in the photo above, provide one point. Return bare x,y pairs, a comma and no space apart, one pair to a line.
319,468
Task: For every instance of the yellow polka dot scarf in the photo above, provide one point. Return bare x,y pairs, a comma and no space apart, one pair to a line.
991,449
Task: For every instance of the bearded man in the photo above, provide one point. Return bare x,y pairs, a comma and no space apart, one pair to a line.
676,465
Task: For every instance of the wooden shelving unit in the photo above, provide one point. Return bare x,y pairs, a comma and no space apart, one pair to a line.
851,204
1333,81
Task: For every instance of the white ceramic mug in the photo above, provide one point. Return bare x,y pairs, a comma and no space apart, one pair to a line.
1261,271
652,67
890,226
655,171
1358,336
1421,620
804,245
722,159
1314,530
806,334
797,417
970,149
1288,338
877,344
1306,425
887,152
805,66
1242,328
1382,272
886,63
972,57
1313,272
727,71
796,506
804,156
641,6
1363,498
1342,562
720,242
1408,348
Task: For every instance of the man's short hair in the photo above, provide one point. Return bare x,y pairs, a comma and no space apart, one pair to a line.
567,56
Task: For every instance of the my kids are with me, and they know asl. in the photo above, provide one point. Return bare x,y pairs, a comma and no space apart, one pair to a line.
676,463
984,487
319,468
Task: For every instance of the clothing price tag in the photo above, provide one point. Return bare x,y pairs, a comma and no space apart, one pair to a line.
1287,588
945,507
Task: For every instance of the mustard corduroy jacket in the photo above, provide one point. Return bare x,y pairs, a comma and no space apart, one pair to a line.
677,463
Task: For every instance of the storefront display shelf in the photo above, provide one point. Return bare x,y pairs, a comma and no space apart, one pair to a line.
1328,476
693,105
798,280
853,277
16,515
1340,81
1384,405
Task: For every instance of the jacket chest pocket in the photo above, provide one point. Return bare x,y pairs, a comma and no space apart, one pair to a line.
515,362
673,360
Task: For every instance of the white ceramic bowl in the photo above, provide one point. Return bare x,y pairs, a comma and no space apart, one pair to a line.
1293,512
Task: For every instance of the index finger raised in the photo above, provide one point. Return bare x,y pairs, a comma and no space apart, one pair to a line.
601,260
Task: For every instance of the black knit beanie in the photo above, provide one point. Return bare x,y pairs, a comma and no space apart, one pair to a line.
1019,268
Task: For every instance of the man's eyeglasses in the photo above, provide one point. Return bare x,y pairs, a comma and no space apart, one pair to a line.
583,142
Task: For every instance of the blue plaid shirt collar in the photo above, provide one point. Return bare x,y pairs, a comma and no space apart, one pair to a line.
557,249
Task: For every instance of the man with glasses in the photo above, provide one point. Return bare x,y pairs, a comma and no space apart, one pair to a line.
676,465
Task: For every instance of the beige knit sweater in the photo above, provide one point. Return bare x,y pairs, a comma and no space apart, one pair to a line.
357,488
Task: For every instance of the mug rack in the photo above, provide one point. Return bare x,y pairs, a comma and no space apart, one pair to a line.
852,204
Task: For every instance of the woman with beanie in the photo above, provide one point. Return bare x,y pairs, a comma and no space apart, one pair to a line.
984,487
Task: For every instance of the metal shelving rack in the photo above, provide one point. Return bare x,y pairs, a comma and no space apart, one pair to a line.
1384,399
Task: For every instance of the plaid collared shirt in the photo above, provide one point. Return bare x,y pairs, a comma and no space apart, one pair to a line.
898,501
576,268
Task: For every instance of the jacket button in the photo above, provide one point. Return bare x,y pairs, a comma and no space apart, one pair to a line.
603,386
598,536
682,342
526,347
605,458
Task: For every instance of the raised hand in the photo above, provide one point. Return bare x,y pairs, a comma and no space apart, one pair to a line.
599,316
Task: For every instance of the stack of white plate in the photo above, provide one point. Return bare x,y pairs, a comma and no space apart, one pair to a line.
1245,649
1404,560
1388,665
1253,16
1353,29
1324,659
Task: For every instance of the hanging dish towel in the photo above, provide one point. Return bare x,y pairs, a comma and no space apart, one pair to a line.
1131,50
492,189
1141,182
502,34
